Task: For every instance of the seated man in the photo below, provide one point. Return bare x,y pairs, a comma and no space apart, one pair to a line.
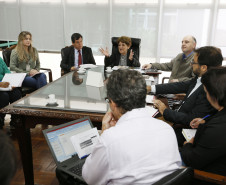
195,103
75,55
179,66
134,147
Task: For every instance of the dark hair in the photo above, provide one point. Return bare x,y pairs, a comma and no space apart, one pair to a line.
75,36
127,89
75,78
214,81
8,160
126,40
210,56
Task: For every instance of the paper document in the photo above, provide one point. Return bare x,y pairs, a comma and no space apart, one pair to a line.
152,111
150,98
15,79
188,133
84,142
87,66
94,79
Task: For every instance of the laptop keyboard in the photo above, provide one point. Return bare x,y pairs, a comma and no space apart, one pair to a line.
77,169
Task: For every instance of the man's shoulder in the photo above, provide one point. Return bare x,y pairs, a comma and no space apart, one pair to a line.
85,48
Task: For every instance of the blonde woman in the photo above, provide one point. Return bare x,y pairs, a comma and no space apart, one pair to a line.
24,59
123,57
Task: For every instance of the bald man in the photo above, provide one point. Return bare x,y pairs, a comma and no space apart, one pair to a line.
179,66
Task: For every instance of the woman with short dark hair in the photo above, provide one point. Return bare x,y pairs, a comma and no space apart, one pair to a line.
123,57
207,150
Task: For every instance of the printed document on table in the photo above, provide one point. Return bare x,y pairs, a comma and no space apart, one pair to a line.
14,79
83,142
188,133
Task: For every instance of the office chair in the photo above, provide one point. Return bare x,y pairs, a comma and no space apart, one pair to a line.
135,45
183,176
6,57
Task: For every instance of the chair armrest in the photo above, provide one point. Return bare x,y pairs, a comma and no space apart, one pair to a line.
209,177
49,72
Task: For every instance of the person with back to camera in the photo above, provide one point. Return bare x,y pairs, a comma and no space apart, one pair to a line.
179,66
24,59
207,150
123,57
7,97
134,147
195,103
75,55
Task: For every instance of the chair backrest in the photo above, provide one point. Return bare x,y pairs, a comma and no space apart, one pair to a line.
135,45
181,176
6,54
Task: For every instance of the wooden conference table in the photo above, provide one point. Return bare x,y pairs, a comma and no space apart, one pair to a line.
74,101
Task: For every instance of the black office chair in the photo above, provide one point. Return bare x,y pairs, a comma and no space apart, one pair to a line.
6,57
183,176
135,45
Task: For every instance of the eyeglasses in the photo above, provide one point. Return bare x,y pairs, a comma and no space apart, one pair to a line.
193,62
107,100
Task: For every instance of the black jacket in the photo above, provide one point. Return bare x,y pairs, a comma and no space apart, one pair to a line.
68,57
208,152
193,107
114,59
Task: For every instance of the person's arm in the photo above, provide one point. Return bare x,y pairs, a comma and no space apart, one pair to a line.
91,58
168,66
37,66
193,107
96,167
65,54
14,62
209,147
135,61
4,70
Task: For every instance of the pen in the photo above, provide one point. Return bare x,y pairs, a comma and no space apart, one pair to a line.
84,156
204,117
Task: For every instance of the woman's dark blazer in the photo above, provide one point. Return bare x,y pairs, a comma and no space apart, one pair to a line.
208,152
114,59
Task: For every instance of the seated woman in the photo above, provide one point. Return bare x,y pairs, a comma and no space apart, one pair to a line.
24,59
123,57
6,97
207,150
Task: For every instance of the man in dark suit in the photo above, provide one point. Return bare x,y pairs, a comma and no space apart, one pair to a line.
195,103
76,54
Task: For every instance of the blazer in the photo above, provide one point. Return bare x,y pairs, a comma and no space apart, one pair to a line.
208,152
194,106
114,59
68,57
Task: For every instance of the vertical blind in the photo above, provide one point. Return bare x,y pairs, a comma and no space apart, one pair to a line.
161,24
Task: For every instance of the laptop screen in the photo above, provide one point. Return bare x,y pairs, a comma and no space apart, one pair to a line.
59,138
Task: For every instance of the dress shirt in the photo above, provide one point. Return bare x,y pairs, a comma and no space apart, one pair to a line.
76,57
139,149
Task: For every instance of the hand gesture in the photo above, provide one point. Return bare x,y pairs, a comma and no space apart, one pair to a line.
146,66
105,52
108,121
195,122
4,84
33,72
160,106
131,55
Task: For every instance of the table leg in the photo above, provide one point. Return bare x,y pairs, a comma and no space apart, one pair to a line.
24,140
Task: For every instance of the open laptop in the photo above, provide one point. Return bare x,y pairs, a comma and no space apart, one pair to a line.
61,147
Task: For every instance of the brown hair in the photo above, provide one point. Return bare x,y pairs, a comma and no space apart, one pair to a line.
22,54
126,40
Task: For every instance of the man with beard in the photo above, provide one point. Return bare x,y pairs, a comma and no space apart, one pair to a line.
195,103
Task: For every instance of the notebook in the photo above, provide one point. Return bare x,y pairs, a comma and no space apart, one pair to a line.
61,147
189,133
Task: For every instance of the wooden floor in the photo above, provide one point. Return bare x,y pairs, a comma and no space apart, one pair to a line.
44,165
